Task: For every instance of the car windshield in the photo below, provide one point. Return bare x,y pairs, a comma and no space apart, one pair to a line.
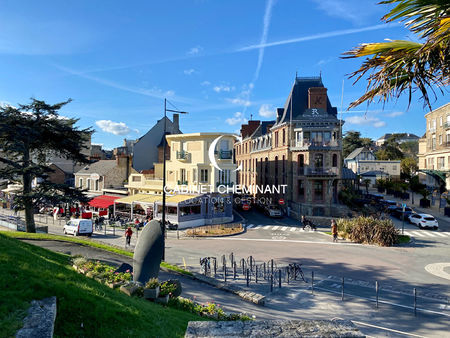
429,218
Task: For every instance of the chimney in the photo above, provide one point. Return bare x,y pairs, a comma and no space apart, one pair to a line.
176,123
317,98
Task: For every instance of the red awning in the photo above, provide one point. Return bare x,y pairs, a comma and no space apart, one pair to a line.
103,201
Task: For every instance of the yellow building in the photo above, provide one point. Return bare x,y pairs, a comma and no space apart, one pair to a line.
434,148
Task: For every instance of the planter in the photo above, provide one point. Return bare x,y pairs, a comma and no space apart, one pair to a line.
425,203
447,211
151,293
162,299
113,285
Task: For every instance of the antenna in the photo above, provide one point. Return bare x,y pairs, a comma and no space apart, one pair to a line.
251,116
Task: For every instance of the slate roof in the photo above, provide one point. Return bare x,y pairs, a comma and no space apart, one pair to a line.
297,101
355,153
101,167
348,174
262,128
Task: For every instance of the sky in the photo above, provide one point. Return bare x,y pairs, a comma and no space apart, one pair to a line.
224,62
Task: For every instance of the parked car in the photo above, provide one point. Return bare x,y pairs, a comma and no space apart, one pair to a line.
398,212
391,208
424,221
389,202
79,227
273,211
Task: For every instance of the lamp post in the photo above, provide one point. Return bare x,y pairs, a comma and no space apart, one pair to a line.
163,216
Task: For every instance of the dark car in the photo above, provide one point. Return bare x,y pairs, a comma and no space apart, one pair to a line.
391,208
398,212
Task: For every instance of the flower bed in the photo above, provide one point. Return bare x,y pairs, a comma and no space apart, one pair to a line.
168,293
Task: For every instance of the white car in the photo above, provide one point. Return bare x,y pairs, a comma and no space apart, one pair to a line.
424,221
79,227
273,211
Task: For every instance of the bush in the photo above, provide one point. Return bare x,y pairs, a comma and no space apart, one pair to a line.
153,283
368,230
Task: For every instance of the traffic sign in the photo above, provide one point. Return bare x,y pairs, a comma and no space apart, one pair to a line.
281,201
245,207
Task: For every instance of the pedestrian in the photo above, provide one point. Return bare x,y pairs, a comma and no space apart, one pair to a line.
334,230
96,223
128,234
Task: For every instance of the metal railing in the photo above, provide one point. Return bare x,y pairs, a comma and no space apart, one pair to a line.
182,155
311,171
309,143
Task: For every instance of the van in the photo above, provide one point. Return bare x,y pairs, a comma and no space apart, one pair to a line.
78,227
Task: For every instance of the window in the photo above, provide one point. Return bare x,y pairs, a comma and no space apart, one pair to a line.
301,164
284,136
219,206
96,185
183,176
440,162
394,167
334,164
318,160
203,175
276,165
190,210
318,190
301,189
80,182
224,176
433,142
440,121
194,175
440,139
136,178
276,139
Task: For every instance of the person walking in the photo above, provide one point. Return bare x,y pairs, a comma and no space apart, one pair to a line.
334,230
128,234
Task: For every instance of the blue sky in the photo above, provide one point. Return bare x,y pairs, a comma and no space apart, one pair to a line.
219,60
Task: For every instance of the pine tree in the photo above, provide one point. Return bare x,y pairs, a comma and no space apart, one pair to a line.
28,133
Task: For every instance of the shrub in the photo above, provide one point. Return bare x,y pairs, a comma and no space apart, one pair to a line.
368,230
153,283
167,289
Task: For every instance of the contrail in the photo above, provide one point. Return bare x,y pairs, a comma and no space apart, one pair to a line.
318,36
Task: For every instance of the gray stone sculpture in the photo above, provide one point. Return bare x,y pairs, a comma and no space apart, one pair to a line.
148,252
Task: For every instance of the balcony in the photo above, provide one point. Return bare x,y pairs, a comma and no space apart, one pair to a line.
182,155
182,182
308,144
447,125
224,154
307,171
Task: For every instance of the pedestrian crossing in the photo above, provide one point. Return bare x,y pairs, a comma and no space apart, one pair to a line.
412,233
276,228
427,234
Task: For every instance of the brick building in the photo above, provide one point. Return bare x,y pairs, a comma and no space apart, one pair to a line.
302,149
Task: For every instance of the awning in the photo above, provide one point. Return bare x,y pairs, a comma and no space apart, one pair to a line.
139,198
103,201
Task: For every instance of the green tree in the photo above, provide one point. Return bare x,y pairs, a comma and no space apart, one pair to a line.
390,150
352,140
27,134
410,148
408,166
395,67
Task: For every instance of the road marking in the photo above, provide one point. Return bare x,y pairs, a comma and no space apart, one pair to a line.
293,229
417,233
283,228
258,226
278,240
437,269
427,233
387,329
447,233
250,226
275,227
440,234
267,227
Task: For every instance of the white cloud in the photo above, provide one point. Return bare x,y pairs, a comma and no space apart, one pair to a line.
116,128
223,88
238,118
240,102
189,71
267,110
195,50
170,93
205,83
365,120
395,113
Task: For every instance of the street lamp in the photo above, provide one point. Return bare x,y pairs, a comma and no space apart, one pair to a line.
163,218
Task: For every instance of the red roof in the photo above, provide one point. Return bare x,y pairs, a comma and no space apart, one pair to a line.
102,201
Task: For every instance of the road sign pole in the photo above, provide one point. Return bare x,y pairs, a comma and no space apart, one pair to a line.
403,219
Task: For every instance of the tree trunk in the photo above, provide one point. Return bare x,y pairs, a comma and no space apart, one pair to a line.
28,201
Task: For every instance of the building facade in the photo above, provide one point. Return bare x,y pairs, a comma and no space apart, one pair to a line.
434,148
400,138
362,161
301,150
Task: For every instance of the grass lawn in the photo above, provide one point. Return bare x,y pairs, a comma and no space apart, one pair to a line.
88,242
402,239
84,306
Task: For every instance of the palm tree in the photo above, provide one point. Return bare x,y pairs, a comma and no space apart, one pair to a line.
398,66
